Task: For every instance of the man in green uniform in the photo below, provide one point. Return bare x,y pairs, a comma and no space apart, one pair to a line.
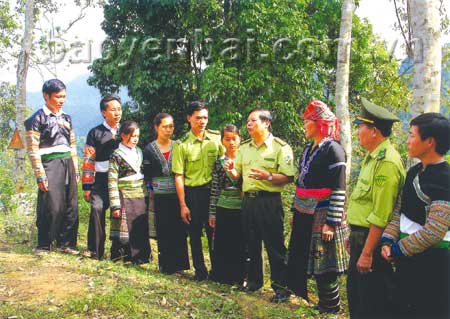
266,164
370,209
192,163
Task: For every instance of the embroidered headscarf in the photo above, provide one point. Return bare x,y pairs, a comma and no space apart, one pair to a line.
327,122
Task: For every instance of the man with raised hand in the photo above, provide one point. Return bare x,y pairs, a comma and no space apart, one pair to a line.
266,164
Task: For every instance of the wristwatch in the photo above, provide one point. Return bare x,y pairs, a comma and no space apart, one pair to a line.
270,177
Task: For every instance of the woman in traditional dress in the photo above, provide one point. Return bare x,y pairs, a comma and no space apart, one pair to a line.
225,216
170,230
319,227
127,195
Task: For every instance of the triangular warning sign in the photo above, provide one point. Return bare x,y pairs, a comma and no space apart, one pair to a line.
16,141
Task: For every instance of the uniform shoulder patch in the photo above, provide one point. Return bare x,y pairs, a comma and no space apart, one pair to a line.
280,141
213,131
182,139
381,154
246,141
380,180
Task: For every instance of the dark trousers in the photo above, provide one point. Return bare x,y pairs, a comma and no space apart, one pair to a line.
298,255
424,285
99,205
197,200
369,295
263,219
57,209
171,234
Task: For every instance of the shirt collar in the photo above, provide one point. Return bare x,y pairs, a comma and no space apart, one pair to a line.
193,137
113,130
380,146
48,112
268,141
127,150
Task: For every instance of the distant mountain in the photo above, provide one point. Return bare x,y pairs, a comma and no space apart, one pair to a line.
82,104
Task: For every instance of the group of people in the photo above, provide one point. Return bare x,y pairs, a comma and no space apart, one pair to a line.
210,181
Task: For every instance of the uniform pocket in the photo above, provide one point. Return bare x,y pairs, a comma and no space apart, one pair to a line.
361,190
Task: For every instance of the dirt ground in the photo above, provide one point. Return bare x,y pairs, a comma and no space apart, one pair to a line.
34,279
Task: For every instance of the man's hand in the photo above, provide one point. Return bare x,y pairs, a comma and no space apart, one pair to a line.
364,264
87,195
185,214
386,253
259,174
327,233
116,213
212,222
43,186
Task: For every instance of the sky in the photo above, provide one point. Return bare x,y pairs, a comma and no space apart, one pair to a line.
380,13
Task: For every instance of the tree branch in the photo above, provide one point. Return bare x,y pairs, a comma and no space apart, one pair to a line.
407,42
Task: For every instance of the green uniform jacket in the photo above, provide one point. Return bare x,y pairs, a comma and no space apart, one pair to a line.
380,181
274,156
195,159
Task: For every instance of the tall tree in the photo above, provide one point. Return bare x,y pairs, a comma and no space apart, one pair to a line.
427,55
21,88
342,78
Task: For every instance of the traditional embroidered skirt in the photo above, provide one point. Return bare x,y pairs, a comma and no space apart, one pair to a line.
228,247
327,256
130,232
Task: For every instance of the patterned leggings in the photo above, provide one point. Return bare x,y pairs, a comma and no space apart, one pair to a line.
328,290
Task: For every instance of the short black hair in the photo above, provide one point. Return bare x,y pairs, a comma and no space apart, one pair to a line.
108,98
434,125
385,127
264,115
53,86
196,106
229,128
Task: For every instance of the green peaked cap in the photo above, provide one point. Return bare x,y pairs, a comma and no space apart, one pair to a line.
373,114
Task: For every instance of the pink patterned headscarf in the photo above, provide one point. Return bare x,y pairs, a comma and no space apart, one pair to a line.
327,122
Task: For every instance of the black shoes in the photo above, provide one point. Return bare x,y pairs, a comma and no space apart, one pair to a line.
200,276
280,296
252,287
326,310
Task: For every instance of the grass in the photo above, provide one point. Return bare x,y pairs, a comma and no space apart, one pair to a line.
61,286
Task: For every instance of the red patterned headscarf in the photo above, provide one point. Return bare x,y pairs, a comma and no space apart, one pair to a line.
327,122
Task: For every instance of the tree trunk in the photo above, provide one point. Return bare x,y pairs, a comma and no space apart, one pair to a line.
342,79
427,55
21,90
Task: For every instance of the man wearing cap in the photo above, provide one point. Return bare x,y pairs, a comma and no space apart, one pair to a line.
266,164
193,160
370,209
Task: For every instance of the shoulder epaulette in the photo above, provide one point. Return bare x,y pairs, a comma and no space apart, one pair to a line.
246,141
213,131
182,139
280,141
381,154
